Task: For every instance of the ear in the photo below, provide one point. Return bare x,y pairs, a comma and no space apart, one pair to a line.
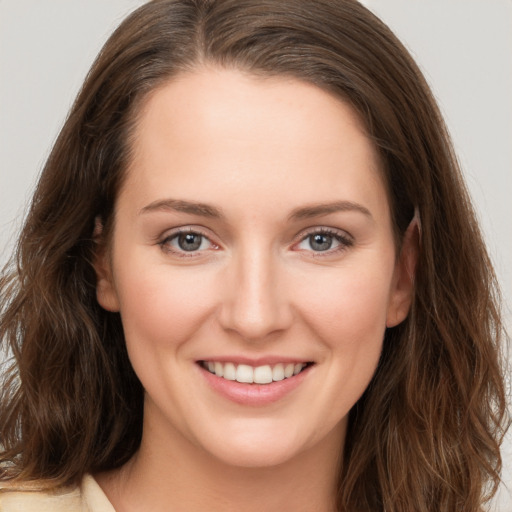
106,294
403,280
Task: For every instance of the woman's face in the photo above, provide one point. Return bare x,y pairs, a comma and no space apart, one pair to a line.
252,241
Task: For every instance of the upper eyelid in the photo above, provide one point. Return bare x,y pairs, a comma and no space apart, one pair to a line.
344,239
165,238
173,232
167,247
324,229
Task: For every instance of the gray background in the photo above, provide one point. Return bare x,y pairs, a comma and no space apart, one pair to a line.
463,46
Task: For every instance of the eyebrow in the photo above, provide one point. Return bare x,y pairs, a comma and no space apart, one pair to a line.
317,210
206,210
178,205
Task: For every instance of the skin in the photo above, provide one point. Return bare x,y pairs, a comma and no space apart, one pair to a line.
261,154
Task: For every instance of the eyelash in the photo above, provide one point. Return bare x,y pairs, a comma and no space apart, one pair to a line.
344,242
165,243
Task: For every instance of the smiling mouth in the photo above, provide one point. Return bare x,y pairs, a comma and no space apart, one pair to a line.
247,374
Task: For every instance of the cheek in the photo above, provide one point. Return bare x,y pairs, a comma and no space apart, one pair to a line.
162,307
348,308
345,312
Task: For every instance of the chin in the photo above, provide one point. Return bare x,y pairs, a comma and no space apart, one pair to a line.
258,446
255,455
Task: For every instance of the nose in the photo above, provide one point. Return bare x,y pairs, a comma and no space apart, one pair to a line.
255,298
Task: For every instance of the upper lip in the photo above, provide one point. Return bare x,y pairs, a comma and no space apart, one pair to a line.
259,361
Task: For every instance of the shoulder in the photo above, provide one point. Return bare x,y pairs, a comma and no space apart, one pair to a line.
87,497
27,500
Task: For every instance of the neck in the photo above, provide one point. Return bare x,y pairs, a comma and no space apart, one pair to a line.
171,473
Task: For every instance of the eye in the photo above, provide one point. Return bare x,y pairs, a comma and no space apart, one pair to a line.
324,241
187,242
319,241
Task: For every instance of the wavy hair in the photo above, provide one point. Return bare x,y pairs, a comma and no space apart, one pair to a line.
426,433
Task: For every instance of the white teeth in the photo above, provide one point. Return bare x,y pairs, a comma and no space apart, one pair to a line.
263,375
218,370
247,374
244,374
278,372
288,370
229,371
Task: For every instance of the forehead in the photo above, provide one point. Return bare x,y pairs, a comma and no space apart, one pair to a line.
218,130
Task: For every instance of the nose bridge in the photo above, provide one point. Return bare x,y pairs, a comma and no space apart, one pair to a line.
256,304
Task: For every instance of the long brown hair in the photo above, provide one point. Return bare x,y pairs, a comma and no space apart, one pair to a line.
426,433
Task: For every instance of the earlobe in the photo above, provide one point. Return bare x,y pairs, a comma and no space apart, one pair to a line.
405,270
106,294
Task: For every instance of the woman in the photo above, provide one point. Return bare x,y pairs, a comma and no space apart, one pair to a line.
251,278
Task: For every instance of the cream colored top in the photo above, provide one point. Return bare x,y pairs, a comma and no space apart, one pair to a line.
87,497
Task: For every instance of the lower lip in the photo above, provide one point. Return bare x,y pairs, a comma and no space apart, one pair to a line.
254,394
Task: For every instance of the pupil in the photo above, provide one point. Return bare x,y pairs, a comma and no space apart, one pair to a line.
320,242
189,241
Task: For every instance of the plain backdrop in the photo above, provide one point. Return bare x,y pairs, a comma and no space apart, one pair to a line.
463,46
